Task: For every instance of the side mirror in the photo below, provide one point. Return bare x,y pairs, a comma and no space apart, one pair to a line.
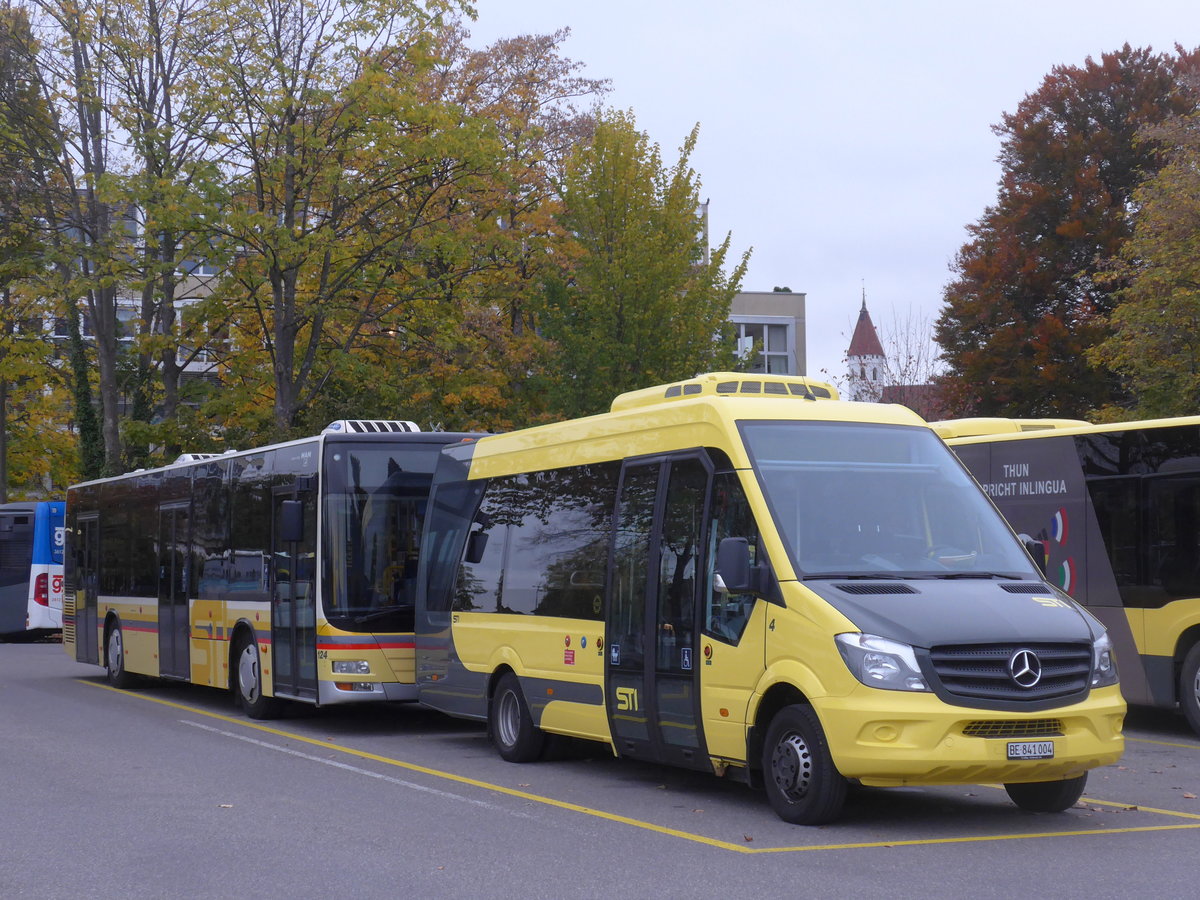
291,521
733,566
476,544
1036,549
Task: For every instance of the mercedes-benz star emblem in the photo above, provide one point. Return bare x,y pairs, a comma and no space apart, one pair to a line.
1025,668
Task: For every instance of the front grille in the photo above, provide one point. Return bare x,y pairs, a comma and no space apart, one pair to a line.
980,671
1021,728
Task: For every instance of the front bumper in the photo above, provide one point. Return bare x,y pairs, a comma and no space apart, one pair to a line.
890,738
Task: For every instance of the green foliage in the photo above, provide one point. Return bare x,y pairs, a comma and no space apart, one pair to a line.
1030,296
1155,340
638,302
403,227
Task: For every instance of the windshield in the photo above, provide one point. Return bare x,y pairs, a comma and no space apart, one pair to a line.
887,500
374,511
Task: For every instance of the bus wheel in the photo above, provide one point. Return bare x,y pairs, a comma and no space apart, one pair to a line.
513,732
249,683
1047,796
114,661
1189,688
803,785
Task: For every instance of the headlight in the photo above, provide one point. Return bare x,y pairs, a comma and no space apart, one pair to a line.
1104,662
351,667
880,663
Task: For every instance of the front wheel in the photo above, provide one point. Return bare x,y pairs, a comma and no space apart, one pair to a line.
803,785
516,738
1189,688
1047,796
114,662
249,683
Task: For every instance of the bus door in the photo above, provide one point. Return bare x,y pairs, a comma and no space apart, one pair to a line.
293,600
174,571
652,672
87,589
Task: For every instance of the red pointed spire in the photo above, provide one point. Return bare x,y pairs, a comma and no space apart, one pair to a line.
865,341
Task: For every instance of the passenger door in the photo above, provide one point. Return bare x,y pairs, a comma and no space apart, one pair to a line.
87,590
174,576
293,600
657,560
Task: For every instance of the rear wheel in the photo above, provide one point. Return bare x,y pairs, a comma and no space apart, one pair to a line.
516,738
248,679
1047,796
1189,688
114,661
802,783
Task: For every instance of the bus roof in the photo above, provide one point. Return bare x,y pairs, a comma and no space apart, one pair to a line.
972,427
972,435
698,412
334,432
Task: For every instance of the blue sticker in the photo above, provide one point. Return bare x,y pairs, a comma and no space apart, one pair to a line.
614,654
685,658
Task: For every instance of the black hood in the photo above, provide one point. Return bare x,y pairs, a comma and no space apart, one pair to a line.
936,612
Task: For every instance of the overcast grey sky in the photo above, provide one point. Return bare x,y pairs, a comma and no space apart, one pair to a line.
848,143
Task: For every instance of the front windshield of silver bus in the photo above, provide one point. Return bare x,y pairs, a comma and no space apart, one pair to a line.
878,500
375,500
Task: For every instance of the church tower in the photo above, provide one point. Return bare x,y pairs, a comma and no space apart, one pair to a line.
865,360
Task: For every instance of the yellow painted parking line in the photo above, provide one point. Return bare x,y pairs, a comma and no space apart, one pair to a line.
1163,743
650,826
976,839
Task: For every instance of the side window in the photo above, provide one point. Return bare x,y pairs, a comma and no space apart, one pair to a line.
547,544
1117,513
1174,548
725,615
680,546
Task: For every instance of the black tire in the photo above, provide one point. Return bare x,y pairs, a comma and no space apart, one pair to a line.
114,659
802,783
516,738
1189,688
1047,796
247,682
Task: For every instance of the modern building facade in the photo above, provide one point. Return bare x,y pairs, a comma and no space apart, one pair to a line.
770,325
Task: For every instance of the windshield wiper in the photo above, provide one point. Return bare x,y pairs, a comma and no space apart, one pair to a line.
859,576
954,575
378,614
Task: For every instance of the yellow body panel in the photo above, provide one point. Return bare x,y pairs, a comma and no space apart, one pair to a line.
539,647
139,632
915,738
392,657
1162,627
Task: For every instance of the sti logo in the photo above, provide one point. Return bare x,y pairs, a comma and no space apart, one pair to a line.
627,699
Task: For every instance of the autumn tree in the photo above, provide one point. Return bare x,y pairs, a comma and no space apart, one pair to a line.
171,185
1028,298
336,166
38,443
1155,339
641,300
497,242
76,151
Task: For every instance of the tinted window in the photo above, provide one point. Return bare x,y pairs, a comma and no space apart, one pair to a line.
1174,535
850,498
546,544
375,504
725,614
